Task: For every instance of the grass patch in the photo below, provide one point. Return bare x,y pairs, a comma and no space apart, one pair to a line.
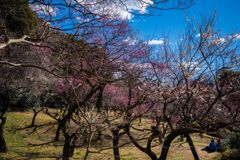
20,143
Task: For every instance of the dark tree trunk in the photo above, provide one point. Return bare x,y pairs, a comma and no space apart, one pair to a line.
99,99
99,134
57,134
146,150
172,136
69,146
115,142
182,137
140,119
3,146
34,118
66,149
35,113
166,145
190,142
60,123
69,140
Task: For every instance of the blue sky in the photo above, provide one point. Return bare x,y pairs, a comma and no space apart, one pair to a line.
171,23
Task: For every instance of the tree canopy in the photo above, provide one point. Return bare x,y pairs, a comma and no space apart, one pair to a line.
18,16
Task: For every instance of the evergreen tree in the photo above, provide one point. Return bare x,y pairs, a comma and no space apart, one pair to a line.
17,17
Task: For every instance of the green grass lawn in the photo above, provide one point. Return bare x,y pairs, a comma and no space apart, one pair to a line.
23,144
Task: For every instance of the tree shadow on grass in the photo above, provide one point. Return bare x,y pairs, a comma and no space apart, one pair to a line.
31,152
28,155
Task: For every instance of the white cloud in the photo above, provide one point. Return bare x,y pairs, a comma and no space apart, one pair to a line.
222,40
139,5
191,65
117,8
82,19
156,42
121,9
236,36
219,41
198,35
139,65
130,41
44,9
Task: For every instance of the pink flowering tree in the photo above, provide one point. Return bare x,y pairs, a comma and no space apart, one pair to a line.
196,85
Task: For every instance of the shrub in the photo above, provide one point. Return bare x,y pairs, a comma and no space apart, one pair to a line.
15,97
53,100
232,147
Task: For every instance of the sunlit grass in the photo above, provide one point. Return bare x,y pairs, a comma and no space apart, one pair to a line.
22,143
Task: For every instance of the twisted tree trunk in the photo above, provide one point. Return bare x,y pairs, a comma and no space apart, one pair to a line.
35,113
166,145
172,136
